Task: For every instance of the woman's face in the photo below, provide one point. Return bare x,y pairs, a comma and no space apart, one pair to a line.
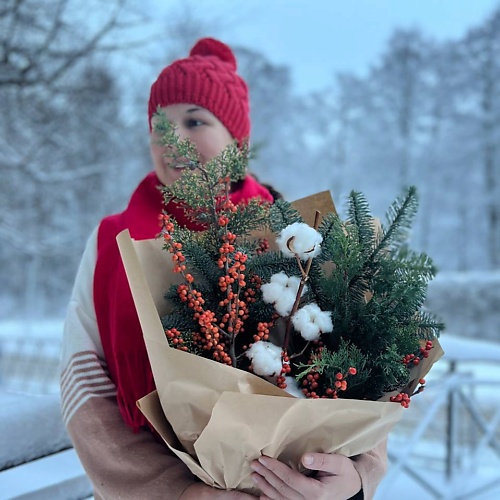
198,125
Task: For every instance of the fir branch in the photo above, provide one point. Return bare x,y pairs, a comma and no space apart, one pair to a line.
347,355
399,217
282,214
361,219
334,234
429,327
419,262
269,263
201,259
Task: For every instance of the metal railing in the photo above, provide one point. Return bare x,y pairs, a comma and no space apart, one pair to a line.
448,446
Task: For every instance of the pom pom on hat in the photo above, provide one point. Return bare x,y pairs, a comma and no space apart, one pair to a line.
206,78
212,47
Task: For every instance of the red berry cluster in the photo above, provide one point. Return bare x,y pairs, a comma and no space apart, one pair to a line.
285,369
209,338
311,386
216,334
402,398
175,248
226,205
262,331
263,246
414,359
175,339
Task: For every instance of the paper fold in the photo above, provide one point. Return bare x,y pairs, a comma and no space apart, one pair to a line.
216,418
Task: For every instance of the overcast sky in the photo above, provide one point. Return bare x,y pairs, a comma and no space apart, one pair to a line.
317,38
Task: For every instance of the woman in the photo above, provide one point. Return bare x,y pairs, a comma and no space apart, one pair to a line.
105,368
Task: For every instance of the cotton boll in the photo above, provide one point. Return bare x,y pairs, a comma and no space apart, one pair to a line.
281,291
266,358
311,321
271,292
293,283
292,387
281,278
301,321
301,318
310,332
324,321
285,302
301,239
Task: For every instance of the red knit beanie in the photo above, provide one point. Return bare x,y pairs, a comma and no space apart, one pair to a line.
208,79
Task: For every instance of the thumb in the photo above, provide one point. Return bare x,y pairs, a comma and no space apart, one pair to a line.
323,462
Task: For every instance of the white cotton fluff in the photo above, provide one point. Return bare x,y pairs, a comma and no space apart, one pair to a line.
271,291
305,241
266,358
285,302
311,321
292,387
281,291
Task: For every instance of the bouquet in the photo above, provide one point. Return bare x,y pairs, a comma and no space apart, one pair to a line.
284,329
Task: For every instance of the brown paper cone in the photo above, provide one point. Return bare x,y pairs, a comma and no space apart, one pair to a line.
224,417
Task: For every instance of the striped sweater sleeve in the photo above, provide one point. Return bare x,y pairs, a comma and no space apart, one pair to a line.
119,463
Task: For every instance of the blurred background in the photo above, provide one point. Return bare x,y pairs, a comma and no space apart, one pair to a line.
364,95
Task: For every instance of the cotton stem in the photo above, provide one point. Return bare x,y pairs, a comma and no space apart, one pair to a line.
305,277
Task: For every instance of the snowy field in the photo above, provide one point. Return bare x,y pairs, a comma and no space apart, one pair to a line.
423,462
29,354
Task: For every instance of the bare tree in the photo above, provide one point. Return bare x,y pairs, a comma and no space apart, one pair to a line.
41,41
400,83
60,109
481,86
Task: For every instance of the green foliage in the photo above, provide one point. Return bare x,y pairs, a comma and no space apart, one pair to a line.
269,263
282,214
375,288
366,277
330,363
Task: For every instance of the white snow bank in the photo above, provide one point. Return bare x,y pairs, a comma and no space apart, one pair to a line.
468,350
27,330
31,427
468,302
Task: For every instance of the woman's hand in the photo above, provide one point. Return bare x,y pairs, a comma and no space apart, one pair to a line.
200,491
337,478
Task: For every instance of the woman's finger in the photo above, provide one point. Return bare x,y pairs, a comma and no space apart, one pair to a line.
330,463
277,480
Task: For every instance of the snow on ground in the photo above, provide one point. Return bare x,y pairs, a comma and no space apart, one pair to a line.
468,303
29,356
37,418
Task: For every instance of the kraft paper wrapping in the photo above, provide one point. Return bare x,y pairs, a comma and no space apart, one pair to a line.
216,418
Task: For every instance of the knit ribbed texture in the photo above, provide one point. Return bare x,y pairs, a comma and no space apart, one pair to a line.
206,78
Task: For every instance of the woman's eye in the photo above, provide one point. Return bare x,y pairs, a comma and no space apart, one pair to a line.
192,123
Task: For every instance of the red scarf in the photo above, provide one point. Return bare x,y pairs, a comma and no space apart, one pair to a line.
119,327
